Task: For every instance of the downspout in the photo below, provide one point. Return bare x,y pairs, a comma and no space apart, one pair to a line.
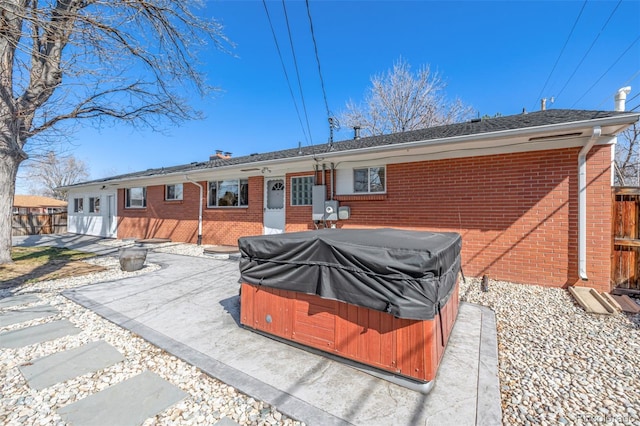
199,209
582,202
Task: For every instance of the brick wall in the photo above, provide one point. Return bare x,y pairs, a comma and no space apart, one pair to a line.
178,220
517,213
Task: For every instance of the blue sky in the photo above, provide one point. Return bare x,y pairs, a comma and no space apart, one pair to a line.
495,56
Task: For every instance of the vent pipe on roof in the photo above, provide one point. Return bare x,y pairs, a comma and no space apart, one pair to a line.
356,132
621,98
543,104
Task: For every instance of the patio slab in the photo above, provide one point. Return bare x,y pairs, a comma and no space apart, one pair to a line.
190,308
22,299
26,314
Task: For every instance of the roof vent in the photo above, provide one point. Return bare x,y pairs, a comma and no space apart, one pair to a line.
621,98
475,120
356,132
220,155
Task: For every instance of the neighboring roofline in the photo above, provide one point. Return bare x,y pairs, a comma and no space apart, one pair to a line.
622,119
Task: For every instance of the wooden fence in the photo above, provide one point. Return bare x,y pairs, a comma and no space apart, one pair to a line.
625,271
37,224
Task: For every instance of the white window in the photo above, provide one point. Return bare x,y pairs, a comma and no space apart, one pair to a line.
228,193
173,192
136,198
369,179
94,204
78,205
301,190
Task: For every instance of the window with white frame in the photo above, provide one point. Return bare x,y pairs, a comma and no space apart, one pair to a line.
228,193
301,190
136,198
78,205
173,192
94,204
369,179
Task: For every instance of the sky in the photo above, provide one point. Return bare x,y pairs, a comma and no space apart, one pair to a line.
495,56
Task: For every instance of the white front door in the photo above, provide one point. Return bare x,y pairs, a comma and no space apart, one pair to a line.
274,218
112,224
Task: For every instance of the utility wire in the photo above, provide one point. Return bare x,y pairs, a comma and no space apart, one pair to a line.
295,63
608,69
634,108
560,55
623,85
315,47
284,68
589,49
630,99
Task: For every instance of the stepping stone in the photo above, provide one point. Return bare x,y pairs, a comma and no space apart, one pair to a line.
128,403
23,299
62,366
37,334
28,314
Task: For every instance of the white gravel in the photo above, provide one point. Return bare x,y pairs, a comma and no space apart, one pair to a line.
209,399
558,364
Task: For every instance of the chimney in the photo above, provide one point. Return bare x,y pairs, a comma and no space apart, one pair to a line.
621,98
356,132
220,155
543,104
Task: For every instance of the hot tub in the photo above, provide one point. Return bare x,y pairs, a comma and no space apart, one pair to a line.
384,299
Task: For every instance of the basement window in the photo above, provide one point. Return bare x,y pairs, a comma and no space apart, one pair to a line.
136,198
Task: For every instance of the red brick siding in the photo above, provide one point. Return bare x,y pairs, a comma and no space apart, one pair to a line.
178,220
517,213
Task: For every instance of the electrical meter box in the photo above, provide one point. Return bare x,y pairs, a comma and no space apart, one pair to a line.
319,195
330,210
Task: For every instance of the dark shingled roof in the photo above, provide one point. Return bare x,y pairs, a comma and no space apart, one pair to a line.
473,127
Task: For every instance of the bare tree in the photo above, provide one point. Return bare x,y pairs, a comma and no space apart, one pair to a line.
51,172
627,162
401,100
67,60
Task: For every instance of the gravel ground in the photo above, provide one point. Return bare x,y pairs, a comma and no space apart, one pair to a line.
209,399
558,364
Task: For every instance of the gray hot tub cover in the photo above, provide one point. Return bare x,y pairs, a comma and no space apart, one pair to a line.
408,274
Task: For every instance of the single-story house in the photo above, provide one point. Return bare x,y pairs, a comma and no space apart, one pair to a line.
36,204
529,193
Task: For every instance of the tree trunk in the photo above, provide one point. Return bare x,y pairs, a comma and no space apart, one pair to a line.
8,170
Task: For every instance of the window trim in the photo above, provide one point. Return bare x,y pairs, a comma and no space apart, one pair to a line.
127,198
291,197
369,191
239,183
166,192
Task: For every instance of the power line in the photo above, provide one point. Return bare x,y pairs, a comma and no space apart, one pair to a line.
315,47
608,69
630,99
589,49
560,55
284,68
634,108
623,85
295,63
